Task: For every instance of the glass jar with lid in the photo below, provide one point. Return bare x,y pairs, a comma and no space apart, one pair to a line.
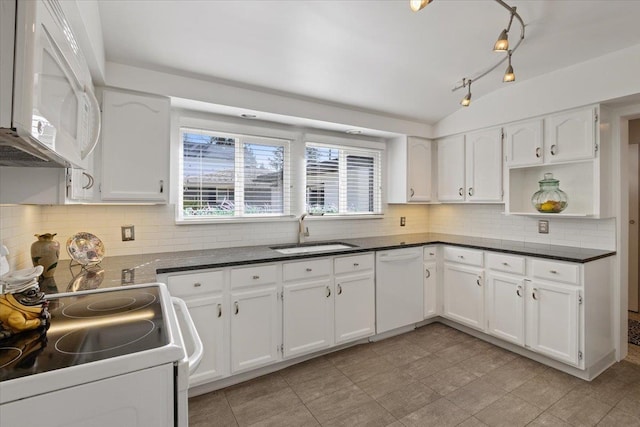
550,198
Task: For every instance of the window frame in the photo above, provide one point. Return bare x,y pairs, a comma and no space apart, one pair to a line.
241,139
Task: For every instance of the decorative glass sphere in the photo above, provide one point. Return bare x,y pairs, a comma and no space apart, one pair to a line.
550,198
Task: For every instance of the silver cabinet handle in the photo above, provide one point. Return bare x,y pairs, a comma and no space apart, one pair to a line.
237,307
428,273
538,152
219,310
197,285
90,181
461,256
328,292
518,291
533,294
355,264
470,191
506,264
554,150
461,191
478,281
412,192
431,254
161,186
309,270
339,289
255,277
553,272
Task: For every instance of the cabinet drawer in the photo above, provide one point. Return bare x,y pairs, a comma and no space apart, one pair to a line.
507,263
463,256
556,271
258,275
306,269
430,253
352,264
187,285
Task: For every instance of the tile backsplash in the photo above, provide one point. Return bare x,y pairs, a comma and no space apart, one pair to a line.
156,231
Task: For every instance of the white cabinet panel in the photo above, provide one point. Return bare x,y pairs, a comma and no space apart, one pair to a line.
484,166
505,307
524,143
354,307
553,320
255,326
307,316
419,170
430,289
451,183
571,135
409,163
464,295
135,147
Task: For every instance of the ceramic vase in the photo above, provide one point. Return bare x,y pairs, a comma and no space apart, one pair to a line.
45,252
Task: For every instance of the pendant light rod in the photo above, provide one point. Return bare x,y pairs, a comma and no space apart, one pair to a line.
514,13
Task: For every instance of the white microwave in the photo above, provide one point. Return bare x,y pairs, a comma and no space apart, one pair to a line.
52,117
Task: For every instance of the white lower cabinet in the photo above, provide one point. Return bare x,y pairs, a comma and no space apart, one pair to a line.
553,320
354,308
203,294
255,326
464,294
430,289
506,307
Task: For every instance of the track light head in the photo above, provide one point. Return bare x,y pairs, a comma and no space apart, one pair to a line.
466,101
502,44
417,5
509,75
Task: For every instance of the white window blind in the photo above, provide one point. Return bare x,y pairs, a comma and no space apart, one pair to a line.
342,180
228,175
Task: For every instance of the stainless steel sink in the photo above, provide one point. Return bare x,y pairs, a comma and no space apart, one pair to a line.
311,247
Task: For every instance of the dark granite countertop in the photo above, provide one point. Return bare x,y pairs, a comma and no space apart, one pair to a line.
133,269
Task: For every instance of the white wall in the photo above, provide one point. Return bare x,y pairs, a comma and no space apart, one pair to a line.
489,222
601,79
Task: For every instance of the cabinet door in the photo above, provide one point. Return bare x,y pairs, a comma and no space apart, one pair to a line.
430,289
451,169
524,143
355,306
419,170
307,317
505,307
254,328
464,295
570,136
209,315
484,166
553,320
135,147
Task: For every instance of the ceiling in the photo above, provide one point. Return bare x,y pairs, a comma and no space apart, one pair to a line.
374,56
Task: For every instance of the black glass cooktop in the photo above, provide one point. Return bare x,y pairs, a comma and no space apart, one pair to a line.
87,328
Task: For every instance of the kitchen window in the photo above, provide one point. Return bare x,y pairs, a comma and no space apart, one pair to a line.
229,176
342,180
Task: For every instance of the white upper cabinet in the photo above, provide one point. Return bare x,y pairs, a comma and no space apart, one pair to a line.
470,167
451,169
484,166
524,143
135,147
571,136
410,177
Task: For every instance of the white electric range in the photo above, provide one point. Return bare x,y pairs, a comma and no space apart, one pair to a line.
113,356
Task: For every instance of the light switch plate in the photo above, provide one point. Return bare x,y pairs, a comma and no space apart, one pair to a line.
403,221
543,226
128,233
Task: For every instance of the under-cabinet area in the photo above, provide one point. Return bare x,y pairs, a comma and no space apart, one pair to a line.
259,318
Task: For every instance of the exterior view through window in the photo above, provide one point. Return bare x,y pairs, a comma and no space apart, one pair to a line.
226,175
342,180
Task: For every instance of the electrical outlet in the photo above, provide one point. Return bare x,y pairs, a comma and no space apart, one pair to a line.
543,226
403,221
127,276
128,233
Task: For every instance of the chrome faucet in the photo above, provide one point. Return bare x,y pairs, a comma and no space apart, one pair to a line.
302,230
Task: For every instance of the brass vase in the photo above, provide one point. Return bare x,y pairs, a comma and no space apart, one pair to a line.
45,252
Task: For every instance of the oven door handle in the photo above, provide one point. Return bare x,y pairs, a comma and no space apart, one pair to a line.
198,351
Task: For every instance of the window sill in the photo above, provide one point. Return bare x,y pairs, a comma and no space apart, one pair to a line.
286,218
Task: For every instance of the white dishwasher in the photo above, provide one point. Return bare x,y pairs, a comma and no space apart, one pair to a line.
399,288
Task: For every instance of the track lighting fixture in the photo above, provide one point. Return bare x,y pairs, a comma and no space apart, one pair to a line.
501,45
509,76
467,98
417,5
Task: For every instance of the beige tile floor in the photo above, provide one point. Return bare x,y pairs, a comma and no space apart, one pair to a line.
433,376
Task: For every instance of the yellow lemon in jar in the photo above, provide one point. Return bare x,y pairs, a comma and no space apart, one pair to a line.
548,206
